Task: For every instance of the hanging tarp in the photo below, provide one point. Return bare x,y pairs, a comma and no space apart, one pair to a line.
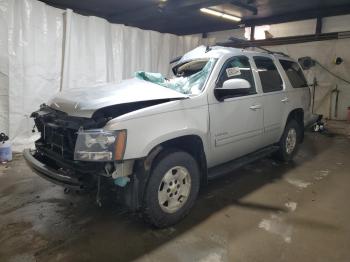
44,50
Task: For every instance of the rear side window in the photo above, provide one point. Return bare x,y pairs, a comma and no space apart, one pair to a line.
294,73
271,80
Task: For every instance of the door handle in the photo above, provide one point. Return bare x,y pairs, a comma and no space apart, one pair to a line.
285,100
255,107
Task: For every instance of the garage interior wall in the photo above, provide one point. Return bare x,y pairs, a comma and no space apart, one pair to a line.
44,50
323,51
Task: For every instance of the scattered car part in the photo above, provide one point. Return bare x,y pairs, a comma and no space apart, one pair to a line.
5,148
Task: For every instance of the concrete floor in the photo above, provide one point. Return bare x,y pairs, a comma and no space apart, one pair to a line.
267,211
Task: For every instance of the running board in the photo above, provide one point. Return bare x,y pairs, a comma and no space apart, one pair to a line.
223,169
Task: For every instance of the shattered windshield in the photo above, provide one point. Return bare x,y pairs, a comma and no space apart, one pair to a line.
190,76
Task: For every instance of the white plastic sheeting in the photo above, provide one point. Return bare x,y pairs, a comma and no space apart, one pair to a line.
99,52
34,49
4,103
44,50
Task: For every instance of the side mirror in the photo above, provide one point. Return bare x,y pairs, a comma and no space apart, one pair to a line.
236,84
232,88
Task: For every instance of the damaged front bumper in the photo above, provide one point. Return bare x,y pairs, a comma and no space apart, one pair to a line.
57,176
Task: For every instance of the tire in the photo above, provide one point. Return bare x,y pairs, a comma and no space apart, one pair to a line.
166,200
286,150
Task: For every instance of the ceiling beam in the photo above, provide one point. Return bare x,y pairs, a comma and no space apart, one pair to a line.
76,9
252,33
300,15
282,40
251,8
283,18
318,26
171,6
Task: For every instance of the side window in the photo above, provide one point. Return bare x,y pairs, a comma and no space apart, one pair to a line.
294,73
237,67
270,78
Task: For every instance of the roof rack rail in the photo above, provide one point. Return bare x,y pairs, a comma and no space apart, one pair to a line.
241,43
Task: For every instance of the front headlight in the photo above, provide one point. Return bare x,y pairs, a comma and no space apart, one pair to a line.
100,145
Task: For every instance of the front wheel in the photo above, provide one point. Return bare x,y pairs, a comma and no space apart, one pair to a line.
289,143
172,188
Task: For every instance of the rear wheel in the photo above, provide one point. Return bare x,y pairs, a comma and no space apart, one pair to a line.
172,188
289,143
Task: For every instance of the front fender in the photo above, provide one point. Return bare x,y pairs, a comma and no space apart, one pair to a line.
147,132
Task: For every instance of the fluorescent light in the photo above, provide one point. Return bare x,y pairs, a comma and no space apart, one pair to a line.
219,14
211,12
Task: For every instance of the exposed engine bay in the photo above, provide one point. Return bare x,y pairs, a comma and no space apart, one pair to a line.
59,130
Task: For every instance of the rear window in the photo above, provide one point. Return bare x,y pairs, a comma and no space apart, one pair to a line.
294,73
271,80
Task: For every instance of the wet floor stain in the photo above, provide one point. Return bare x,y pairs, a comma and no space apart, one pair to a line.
298,183
292,206
277,225
264,202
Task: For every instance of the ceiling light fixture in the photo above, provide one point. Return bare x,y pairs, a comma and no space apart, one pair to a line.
219,14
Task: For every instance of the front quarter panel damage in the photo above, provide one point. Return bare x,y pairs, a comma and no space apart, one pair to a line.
149,128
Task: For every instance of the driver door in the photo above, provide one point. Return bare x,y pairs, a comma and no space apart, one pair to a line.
236,122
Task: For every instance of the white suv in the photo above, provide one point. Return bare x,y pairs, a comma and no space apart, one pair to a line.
158,140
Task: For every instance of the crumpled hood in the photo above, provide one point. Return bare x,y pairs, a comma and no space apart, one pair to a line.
83,102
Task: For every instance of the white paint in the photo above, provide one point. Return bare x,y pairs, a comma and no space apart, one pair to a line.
259,33
276,225
336,24
223,36
213,257
323,174
298,183
292,206
297,28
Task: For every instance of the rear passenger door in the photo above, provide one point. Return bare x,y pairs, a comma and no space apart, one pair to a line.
274,98
297,88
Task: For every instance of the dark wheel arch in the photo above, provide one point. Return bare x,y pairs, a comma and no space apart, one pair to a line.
298,115
151,210
191,144
135,191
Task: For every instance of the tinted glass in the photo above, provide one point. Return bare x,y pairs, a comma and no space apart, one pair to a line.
270,78
294,73
237,67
